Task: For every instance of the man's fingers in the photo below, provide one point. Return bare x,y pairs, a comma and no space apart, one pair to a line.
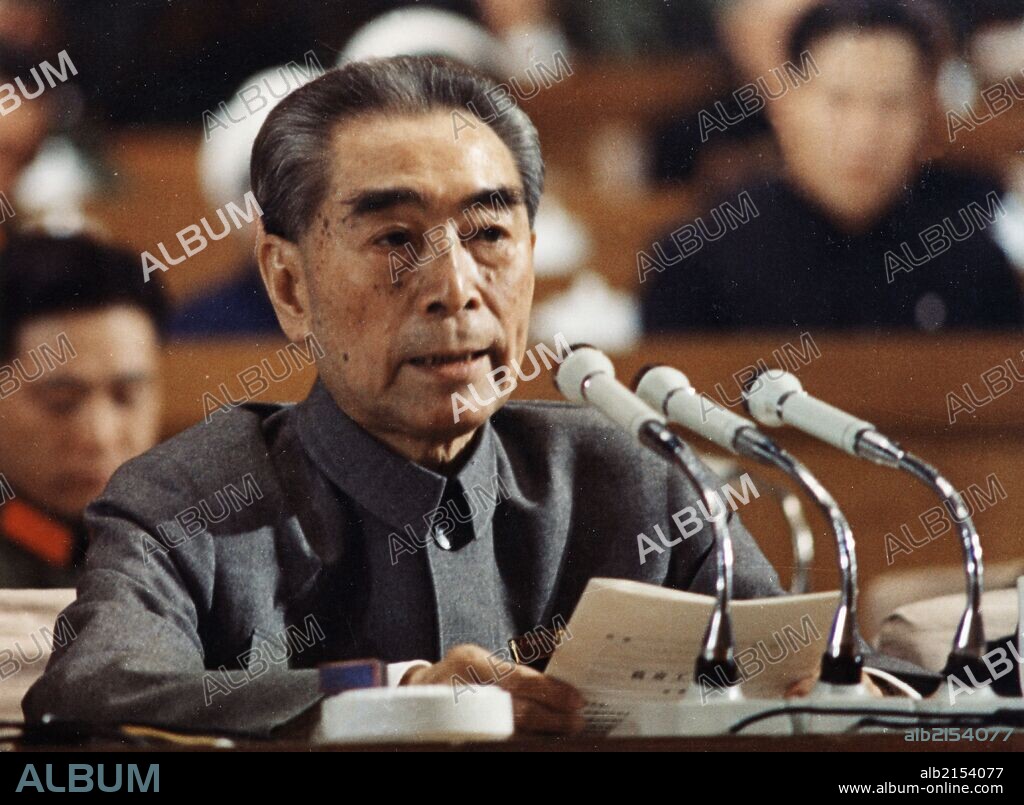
554,694
541,703
531,716
869,683
801,687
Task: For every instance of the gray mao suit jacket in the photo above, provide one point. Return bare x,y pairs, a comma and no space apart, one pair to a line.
231,560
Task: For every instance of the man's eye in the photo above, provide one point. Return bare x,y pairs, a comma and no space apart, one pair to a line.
60,404
491,234
395,239
127,396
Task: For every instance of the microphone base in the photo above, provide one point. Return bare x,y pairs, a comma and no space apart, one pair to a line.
1005,712
715,716
415,713
828,696
954,698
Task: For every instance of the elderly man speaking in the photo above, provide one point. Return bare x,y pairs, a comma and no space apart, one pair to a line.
301,506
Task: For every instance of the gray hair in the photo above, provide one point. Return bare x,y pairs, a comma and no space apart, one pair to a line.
289,168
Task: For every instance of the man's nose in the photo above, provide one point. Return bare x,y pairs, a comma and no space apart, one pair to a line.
450,281
864,131
99,427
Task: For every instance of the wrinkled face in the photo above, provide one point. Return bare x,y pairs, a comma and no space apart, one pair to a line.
94,405
420,272
853,135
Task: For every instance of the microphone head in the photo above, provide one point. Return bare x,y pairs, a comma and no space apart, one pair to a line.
583,362
654,384
765,391
641,372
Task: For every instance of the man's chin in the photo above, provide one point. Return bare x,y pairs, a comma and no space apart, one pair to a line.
449,425
71,509
445,421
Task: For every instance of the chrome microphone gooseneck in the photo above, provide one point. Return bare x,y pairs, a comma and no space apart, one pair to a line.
775,398
587,375
969,638
842,661
801,533
717,662
670,391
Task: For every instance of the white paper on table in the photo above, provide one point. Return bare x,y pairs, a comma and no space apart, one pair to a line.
628,642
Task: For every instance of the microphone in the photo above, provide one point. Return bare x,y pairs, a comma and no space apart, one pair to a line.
587,376
669,390
775,398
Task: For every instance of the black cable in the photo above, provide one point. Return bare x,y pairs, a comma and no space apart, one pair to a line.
1012,718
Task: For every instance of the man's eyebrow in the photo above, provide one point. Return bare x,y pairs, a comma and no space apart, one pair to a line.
63,383
497,197
138,376
74,383
368,202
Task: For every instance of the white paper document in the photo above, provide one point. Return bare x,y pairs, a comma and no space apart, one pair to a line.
629,642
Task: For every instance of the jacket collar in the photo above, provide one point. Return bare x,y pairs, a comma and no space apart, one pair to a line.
55,541
394,489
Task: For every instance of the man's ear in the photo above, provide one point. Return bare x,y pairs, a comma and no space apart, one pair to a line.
284,275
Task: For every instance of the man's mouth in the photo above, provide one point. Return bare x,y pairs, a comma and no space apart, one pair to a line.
85,480
448,358
453,367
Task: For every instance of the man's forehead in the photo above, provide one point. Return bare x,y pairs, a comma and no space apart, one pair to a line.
117,336
91,368
118,318
421,153
867,59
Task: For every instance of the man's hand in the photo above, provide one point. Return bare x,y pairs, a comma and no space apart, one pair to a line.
540,704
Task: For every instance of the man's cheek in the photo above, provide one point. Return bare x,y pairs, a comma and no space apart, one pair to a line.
38,424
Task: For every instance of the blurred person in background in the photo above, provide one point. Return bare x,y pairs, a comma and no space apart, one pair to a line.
79,394
239,305
22,131
835,240
749,36
754,32
996,54
44,177
28,24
